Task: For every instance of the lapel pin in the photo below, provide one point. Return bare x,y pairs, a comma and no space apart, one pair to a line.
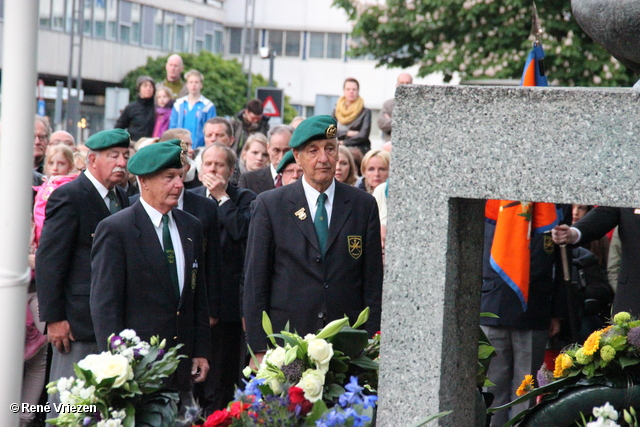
301,214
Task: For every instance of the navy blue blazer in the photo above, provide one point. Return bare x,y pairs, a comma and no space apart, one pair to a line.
257,181
284,272
233,218
63,259
131,287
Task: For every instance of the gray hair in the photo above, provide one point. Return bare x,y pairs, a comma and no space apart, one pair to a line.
229,154
280,129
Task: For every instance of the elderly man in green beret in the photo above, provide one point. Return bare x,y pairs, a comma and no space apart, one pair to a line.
313,252
63,259
289,169
148,267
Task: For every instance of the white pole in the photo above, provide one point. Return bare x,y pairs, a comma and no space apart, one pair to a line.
19,50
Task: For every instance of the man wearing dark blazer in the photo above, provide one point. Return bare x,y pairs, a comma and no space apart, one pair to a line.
234,204
268,178
146,273
63,259
595,224
313,252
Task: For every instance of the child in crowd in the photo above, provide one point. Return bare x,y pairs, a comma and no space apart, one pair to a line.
164,103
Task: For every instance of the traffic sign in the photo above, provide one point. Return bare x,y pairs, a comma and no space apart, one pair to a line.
272,101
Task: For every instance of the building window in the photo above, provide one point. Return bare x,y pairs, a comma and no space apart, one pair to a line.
292,43
135,23
125,22
57,20
150,27
45,14
217,42
168,31
235,41
316,45
256,41
275,41
88,14
112,19
99,18
334,45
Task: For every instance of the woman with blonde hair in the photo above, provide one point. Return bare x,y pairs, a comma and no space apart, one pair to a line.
346,167
374,169
354,120
254,154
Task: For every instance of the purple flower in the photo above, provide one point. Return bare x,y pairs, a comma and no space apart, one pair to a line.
633,337
160,354
544,376
116,341
87,421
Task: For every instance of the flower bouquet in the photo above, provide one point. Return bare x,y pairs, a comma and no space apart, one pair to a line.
120,387
610,357
325,379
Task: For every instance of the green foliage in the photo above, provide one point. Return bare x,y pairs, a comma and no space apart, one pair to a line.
224,81
481,39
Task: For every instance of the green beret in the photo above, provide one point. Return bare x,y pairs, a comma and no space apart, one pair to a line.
106,139
313,129
177,143
287,159
156,157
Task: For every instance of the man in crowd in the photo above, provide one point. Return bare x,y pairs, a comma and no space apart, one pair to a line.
384,119
63,137
218,129
313,252
41,142
249,121
268,178
290,170
63,266
153,254
192,111
173,81
234,204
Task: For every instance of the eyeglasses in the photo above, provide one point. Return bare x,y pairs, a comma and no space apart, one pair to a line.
42,137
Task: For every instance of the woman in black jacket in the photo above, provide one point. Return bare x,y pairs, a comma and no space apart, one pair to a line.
139,117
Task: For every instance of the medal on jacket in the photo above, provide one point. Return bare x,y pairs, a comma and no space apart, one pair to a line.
301,214
194,274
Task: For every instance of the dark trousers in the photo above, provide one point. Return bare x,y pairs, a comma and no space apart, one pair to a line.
217,390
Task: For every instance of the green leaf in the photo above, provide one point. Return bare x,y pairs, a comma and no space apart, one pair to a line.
628,361
619,343
319,408
365,363
350,342
335,390
486,351
332,328
268,328
291,355
362,318
486,314
431,418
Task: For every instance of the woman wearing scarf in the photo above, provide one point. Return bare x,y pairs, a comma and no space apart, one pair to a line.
354,120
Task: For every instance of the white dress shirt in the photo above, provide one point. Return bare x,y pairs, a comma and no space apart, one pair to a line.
101,188
312,199
156,220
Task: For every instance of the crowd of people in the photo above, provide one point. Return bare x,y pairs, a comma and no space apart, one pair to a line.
187,225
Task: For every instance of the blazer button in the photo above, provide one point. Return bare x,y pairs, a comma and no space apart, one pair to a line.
326,285
178,314
318,259
175,338
320,315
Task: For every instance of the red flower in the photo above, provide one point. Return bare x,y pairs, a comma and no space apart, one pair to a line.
237,408
296,398
220,418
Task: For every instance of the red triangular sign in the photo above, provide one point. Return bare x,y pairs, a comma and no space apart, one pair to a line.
269,107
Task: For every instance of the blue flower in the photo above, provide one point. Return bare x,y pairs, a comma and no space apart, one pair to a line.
332,418
354,394
358,420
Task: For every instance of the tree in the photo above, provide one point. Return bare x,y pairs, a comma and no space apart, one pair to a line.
224,81
480,39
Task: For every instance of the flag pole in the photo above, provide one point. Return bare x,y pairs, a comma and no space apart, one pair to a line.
19,78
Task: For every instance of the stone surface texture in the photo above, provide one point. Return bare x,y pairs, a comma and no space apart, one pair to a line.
615,24
453,147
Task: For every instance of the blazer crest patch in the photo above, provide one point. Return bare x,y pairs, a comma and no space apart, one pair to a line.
194,275
355,246
301,214
548,244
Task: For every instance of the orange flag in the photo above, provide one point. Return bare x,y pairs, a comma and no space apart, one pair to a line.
511,248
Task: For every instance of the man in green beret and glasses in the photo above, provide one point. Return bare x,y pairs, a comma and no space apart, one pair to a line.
313,252
63,259
148,271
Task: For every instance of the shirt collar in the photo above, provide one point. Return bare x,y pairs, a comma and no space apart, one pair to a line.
154,214
181,200
101,188
274,173
312,194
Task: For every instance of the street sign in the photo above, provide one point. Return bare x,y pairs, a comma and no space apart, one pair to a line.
272,101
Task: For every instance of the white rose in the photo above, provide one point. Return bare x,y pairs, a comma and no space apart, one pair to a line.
312,383
128,334
110,366
309,337
65,396
321,353
275,385
276,358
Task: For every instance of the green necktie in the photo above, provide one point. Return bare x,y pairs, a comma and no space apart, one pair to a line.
321,223
170,254
114,206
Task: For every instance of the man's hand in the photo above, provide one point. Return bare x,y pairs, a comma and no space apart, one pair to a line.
216,185
59,334
563,234
259,356
554,327
199,369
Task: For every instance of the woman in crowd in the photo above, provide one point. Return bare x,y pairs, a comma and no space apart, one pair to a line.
374,169
254,153
139,117
354,120
164,103
58,169
346,167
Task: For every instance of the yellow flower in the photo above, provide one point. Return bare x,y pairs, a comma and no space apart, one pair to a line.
592,344
563,362
526,386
